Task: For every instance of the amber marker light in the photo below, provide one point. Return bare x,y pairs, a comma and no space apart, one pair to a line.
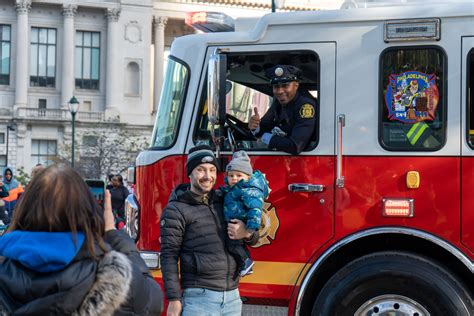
413,179
396,207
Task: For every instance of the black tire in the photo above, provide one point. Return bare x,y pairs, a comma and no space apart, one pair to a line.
393,274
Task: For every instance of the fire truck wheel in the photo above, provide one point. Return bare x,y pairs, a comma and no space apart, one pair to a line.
393,283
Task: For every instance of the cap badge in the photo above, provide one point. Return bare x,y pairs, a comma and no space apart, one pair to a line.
279,72
207,159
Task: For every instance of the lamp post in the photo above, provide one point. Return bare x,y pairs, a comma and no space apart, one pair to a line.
277,4
73,107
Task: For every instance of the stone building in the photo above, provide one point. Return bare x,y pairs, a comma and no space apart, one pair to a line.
109,54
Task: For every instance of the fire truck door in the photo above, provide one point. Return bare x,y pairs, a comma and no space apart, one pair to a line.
467,164
298,217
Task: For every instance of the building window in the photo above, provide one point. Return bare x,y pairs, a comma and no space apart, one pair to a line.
90,140
3,160
2,138
42,107
5,54
43,151
132,79
87,60
86,106
43,57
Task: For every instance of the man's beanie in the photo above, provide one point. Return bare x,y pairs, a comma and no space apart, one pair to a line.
199,155
240,162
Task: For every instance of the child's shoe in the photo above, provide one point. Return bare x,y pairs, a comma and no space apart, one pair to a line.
247,267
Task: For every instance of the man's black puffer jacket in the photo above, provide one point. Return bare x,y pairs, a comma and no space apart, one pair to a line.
194,231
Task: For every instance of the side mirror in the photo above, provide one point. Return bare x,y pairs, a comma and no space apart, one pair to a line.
216,88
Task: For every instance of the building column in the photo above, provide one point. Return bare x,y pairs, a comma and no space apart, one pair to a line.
23,7
67,79
160,23
112,91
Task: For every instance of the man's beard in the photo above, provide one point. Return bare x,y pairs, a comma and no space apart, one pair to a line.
199,189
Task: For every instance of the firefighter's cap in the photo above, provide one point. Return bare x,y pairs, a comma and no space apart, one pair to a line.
283,73
198,155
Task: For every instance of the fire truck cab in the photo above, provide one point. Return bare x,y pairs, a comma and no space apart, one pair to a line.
376,215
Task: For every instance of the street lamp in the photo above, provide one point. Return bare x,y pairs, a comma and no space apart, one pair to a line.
73,107
277,4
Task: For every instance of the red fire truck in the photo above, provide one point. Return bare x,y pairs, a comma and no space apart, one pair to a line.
376,216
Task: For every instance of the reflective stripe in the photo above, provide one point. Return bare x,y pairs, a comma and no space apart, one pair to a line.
416,131
270,272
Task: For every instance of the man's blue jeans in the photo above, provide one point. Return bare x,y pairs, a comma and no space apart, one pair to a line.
204,302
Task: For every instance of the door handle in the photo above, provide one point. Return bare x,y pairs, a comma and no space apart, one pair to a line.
305,187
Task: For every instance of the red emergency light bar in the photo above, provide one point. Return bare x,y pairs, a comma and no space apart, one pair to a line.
397,207
210,22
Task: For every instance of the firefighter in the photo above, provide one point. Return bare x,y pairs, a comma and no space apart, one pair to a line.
290,122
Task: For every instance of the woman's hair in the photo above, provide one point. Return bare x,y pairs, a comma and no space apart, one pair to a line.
119,177
58,200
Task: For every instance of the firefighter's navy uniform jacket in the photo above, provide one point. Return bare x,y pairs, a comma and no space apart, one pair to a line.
297,119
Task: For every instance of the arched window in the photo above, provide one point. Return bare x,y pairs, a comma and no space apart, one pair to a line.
132,79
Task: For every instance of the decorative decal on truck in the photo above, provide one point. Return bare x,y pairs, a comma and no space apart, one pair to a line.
412,97
269,227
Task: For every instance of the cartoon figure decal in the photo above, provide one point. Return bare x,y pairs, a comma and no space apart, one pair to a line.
412,97
269,227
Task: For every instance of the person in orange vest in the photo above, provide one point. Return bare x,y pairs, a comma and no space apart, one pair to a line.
15,189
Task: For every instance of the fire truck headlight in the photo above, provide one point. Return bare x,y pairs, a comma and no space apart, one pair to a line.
132,214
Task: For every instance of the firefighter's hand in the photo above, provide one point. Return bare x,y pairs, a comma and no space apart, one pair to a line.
174,308
254,120
108,215
236,230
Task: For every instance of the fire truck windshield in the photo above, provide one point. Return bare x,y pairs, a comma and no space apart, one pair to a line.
171,105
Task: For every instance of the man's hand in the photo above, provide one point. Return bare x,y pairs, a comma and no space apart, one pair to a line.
254,120
174,308
236,230
109,220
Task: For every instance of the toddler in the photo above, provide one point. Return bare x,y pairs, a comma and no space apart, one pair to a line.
245,191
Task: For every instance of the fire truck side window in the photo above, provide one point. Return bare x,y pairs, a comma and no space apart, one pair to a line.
470,97
171,105
248,88
412,103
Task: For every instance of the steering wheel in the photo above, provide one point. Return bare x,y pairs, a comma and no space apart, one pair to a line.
240,127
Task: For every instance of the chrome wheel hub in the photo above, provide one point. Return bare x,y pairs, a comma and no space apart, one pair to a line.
391,305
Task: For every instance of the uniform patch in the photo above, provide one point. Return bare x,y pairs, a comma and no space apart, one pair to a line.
307,111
